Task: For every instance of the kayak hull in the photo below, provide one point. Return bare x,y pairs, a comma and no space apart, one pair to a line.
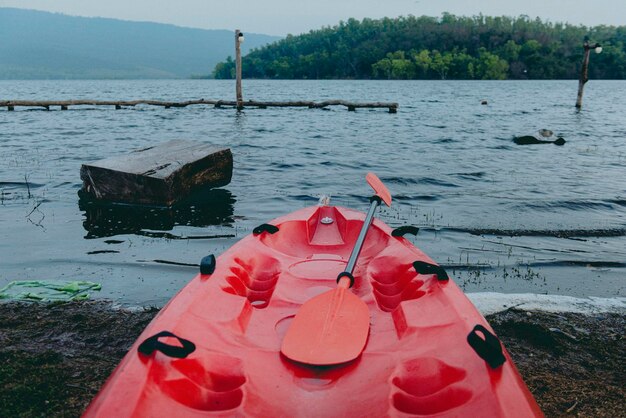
416,360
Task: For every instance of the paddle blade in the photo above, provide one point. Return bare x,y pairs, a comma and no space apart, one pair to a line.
331,328
379,188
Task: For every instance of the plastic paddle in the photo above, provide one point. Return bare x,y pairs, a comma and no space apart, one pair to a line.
332,328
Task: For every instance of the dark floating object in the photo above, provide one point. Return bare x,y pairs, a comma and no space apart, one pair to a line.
103,252
484,102
159,175
531,140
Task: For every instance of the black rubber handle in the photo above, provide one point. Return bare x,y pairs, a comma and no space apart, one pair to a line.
152,344
403,230
489,348
348,275
207,264
272,229
422,267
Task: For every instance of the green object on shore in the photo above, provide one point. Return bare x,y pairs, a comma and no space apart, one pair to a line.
48,291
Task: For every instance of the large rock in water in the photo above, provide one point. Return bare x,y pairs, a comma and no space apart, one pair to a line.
159,175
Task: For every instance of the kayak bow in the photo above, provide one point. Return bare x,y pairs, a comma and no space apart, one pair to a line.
215,348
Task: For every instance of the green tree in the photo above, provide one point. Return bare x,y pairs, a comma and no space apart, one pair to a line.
490,66
401,67
441,63
281,68
394,66
429,47
509,51
382,68
462,65
225,69
423,62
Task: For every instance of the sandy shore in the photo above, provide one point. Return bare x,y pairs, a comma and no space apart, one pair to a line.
54,358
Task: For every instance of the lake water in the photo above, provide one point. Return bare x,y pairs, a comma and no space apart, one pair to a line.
501,217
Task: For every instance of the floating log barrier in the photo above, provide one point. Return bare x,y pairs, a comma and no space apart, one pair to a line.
159,175
119,104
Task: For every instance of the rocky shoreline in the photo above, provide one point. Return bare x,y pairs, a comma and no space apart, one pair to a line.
54,358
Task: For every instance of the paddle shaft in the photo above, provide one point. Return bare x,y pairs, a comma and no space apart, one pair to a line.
332,328
361,238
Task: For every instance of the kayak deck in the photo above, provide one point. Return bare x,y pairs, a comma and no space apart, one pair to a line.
417,360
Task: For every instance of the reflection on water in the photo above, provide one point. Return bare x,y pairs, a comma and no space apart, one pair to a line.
204,208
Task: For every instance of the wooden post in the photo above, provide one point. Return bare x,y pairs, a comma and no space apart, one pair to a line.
584,72
238,40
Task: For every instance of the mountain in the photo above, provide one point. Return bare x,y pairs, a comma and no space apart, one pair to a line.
453,47
42,45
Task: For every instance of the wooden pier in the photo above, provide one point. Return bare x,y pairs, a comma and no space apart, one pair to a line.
238,104
119,104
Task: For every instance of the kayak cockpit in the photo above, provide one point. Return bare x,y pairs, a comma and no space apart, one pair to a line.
327,229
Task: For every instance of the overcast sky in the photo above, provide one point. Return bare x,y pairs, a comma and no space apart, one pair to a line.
280,17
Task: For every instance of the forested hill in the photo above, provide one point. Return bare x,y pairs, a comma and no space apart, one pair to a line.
41,45
450,47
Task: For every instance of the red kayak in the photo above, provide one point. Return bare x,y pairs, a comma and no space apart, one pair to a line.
228,343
